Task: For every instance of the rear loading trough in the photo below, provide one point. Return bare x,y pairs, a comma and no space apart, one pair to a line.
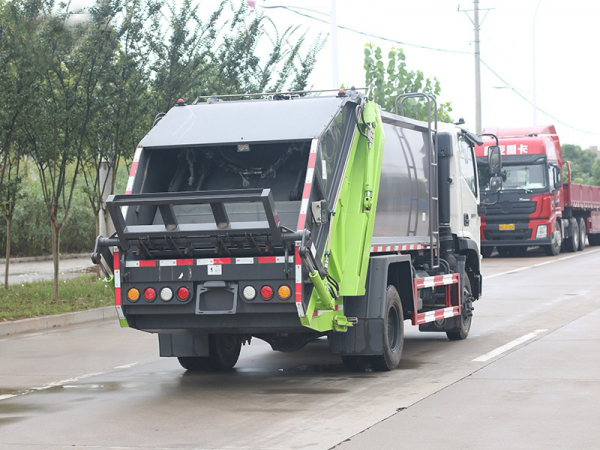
278,219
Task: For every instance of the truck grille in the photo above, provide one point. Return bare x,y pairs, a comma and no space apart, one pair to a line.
507,207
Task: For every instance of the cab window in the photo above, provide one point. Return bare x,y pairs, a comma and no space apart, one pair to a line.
467,164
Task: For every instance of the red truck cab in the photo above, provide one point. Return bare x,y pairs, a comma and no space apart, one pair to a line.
532,209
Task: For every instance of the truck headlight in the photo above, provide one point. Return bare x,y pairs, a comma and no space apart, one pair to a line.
542,231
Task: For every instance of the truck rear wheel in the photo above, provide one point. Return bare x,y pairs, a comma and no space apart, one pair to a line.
582,233
393,333
572,242
224,351
463,322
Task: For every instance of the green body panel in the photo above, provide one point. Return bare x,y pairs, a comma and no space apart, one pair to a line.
351,227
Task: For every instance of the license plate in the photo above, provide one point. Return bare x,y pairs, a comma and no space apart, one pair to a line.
507,227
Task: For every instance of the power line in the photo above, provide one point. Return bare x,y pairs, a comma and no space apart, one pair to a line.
353,30
536,107
292,9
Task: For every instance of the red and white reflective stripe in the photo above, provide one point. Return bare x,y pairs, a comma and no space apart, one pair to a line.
117,278
176,262
208,261
299,306
396,248
142,263
438,314
213,261
320,313
439,280
134,167
310,172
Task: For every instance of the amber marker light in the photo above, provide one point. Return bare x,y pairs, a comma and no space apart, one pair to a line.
133,295
284,292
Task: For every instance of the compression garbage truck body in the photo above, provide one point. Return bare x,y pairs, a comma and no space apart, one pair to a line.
291,218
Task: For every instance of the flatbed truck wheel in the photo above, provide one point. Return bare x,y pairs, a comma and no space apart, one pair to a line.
572,242
224,351
463,322
582,233
393,333
554,248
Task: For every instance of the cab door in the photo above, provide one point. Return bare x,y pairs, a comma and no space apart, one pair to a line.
471,221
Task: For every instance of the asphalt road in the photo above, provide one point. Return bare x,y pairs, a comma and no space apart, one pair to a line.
527,377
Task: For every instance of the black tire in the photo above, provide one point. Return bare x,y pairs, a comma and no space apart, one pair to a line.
393,333
463,322
224,351
582,233
572,242
486,252
554,248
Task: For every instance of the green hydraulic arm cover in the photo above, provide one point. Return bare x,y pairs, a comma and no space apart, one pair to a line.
351,233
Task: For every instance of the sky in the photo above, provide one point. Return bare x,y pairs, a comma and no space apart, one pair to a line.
567,45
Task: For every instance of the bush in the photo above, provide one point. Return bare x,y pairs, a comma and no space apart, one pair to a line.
31,232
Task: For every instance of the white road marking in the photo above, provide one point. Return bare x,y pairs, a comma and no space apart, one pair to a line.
539,265
127,366
51,385
508,346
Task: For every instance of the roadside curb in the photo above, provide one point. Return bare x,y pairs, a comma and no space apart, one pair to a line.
59,320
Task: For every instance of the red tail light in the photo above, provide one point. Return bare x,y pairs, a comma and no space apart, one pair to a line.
183,293
150,294
266,292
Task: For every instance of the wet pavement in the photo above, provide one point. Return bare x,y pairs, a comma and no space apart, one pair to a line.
98,386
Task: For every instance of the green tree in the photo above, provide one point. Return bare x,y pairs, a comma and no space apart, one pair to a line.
220,55
389,81
596,172
77,59
581,162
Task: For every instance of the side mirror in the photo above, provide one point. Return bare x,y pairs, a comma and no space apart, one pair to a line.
495,184
495,160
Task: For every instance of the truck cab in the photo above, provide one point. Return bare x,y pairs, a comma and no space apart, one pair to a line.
527,211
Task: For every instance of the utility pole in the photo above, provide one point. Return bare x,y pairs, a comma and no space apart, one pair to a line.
534,74
477,26
335,71
477,68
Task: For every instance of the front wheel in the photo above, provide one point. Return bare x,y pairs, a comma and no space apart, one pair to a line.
463,322
393,333
556,242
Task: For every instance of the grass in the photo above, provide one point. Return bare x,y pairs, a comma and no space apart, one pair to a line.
35,299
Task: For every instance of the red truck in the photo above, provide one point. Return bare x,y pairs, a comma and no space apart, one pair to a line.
536,206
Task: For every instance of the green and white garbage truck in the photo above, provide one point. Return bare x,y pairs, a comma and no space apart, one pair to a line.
291,217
